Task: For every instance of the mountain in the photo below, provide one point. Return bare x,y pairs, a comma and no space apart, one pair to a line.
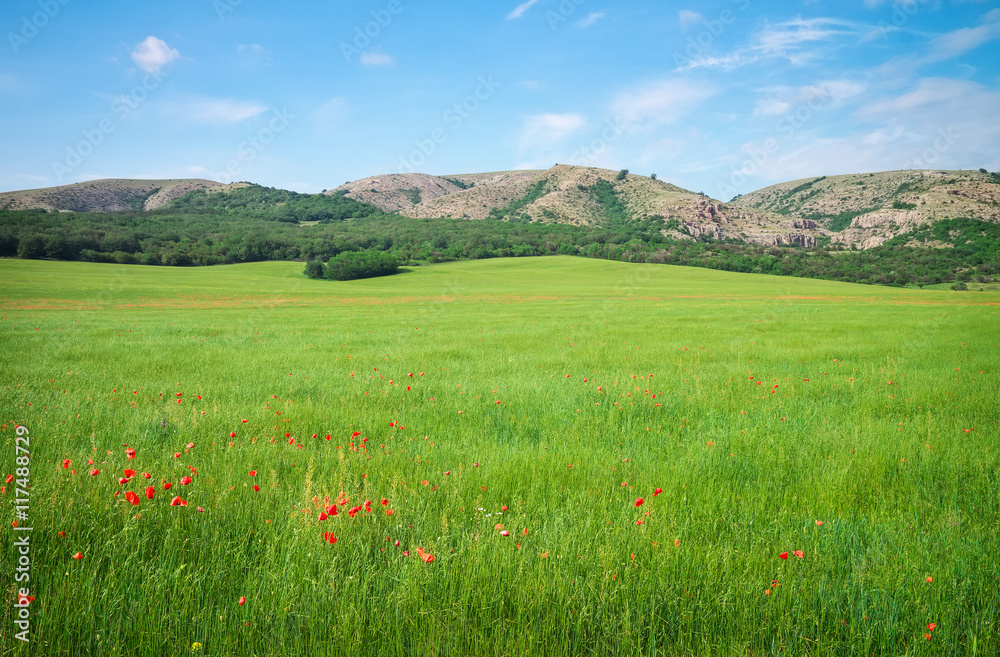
857,210
108,195
868,209
576,195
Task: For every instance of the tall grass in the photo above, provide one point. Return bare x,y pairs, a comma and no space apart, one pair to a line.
880,485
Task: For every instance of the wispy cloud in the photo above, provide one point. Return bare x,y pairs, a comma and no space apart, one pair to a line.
545,130
591,18
789,40
328,116
663,101
153,54
255,53
217,111
687,18
376,59
520,9
961,41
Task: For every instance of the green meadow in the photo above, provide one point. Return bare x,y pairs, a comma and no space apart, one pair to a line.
560,456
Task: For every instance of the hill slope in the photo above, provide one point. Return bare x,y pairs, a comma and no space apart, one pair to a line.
107,195
583,196
868,209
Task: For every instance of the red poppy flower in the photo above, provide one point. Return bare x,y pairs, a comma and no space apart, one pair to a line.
932,626
242,600
657,492
93,473
256,488
176,501
146,475
66,464
150,492
253,473
78,556
129,472
130,453
122,480
783,555
167,485
329,537
132,497
639,501
799,553
185,481
388,512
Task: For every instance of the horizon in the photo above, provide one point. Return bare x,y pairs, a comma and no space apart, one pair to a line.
724,100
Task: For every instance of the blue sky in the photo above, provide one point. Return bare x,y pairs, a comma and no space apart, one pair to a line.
722,97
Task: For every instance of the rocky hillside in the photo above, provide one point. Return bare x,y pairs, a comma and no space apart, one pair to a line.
579,196
868,209
109,195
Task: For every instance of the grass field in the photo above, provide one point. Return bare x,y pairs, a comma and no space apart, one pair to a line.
601,458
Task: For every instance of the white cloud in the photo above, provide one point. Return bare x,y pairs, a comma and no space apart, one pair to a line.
255,53
785,39
591,18
771,107
520,9
664,101
153,54
938,123
959,42
223,110
329,115
376,59
729,62
833,92
687,18
546,130
794,40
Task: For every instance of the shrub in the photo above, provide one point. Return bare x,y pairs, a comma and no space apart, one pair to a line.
361,264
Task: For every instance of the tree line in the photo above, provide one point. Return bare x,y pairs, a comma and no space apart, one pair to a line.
254,225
